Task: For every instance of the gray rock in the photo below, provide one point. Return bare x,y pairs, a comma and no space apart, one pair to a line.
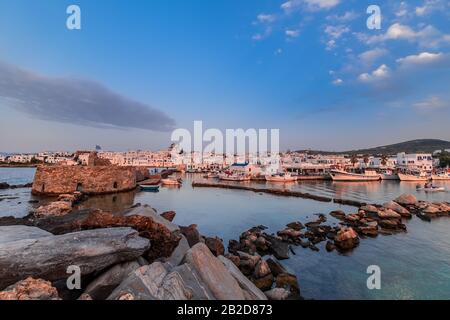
213,273
277,294
152,282
103,286
178,254
246,285
49,257
15,233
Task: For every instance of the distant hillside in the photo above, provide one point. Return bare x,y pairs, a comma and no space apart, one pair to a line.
413,146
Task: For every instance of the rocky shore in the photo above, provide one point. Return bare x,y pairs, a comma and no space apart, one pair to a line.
140,254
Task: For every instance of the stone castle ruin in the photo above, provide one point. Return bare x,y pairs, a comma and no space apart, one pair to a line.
97,177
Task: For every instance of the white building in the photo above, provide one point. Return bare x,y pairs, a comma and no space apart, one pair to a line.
415,161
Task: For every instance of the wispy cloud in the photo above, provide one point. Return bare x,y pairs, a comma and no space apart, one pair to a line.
345,17
292,33
428,36
422,59
382,72
76,101
311,5
264,18
430,104
370,56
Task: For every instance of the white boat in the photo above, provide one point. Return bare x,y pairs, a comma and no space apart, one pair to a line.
171,182
341,175
234,177
389,175
431,189
281,177
211,175
422,176
441,176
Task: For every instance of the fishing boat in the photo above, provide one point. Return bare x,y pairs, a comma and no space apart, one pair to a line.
341,175
148,187
211,175
234,177
281,177
389,175
441,176
421,176
171,182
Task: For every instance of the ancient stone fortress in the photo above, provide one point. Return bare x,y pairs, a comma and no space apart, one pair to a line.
97,177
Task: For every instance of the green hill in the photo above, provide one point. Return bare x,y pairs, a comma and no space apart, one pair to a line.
413,146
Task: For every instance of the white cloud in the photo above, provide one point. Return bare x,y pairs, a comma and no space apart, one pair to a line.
312,5
429,6
336,32
292,33
402,10
260,36
428,36
322,4
423,58
370,56
338,82
346,17
278,51
430,104
382,72
331,44
265,18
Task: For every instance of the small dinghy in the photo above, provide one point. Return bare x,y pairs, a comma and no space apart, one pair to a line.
150,188
431,189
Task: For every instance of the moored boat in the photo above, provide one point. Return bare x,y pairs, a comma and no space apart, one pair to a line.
148,187
441,176
234,177
389,175
341,175
281,177
422,176
171,182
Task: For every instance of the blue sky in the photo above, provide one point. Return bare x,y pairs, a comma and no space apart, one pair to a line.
136,70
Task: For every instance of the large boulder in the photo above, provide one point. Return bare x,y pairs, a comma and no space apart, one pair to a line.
178,254
406,199
103,285
252,291
30,289
191,233
56,208
157,282
15,233
392,205
213,273
49,257
346,239
215,245
163,234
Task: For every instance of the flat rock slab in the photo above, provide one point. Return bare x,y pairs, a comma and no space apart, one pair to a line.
213,273
15,233
49,257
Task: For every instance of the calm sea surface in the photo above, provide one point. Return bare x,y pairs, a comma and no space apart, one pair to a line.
414,265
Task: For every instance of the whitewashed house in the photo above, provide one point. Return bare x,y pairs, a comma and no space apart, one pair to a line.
415,161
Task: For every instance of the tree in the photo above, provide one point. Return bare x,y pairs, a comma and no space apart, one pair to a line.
384,159
444,159
366,160
354,159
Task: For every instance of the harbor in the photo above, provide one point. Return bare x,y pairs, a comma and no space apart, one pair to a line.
229,210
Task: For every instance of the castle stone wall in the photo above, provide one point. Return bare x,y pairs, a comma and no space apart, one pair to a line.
55,180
